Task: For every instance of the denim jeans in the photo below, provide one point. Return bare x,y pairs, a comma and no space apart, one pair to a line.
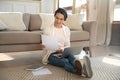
67,62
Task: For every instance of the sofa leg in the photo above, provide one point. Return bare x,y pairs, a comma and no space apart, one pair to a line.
88,51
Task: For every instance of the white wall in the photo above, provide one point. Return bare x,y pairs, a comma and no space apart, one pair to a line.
47,6
20,6
44,6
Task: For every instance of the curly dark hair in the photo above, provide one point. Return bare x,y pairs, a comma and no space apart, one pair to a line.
62,11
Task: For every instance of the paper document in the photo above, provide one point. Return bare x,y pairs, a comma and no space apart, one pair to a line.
43,71
50,42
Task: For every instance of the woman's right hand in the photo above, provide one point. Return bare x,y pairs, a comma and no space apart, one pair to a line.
42,46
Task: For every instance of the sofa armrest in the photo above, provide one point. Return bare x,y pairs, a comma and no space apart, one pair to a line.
91,27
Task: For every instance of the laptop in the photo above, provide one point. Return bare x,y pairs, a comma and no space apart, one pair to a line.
74,50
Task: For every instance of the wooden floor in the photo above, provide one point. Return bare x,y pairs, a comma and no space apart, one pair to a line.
105,50
28,57
19,59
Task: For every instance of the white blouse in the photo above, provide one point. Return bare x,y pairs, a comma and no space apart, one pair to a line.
63,38
59,34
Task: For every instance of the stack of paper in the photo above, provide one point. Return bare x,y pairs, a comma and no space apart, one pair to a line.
50,42
38,70
43,71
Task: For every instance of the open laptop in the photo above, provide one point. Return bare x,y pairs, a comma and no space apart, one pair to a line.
72,50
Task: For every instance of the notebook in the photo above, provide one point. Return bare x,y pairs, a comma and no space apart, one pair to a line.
34,67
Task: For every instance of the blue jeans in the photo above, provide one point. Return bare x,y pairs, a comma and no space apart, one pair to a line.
67,62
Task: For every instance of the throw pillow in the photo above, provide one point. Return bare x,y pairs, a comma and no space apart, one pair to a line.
14,20
47,20
74,21
35,22
3,26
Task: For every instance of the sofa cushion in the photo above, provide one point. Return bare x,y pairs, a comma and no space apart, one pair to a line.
14,20
74,21
19,37
35,22
47,19
26,19
3,26
79,35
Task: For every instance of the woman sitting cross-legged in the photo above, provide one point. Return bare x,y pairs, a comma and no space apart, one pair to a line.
62,33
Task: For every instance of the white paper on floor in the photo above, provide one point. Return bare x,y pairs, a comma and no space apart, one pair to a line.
43,71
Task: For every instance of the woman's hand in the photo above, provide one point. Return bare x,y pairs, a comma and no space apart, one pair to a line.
42,46
59,50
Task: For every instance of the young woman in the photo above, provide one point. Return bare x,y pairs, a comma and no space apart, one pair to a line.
62,33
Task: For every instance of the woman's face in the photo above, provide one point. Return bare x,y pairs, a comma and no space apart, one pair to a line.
59,19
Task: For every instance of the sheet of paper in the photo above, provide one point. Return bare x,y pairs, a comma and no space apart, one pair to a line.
43,71
50,42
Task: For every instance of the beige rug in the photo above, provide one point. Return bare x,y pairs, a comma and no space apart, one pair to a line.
104,68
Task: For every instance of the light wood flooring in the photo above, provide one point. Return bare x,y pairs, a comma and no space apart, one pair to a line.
12,66
28,57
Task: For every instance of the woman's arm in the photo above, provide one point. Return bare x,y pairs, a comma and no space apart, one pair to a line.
42,46
67,43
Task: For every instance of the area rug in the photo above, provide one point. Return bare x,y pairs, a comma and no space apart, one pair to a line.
104,68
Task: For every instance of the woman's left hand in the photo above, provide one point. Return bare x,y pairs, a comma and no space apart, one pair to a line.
59,50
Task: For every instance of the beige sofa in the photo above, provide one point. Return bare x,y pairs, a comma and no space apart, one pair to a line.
29,39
